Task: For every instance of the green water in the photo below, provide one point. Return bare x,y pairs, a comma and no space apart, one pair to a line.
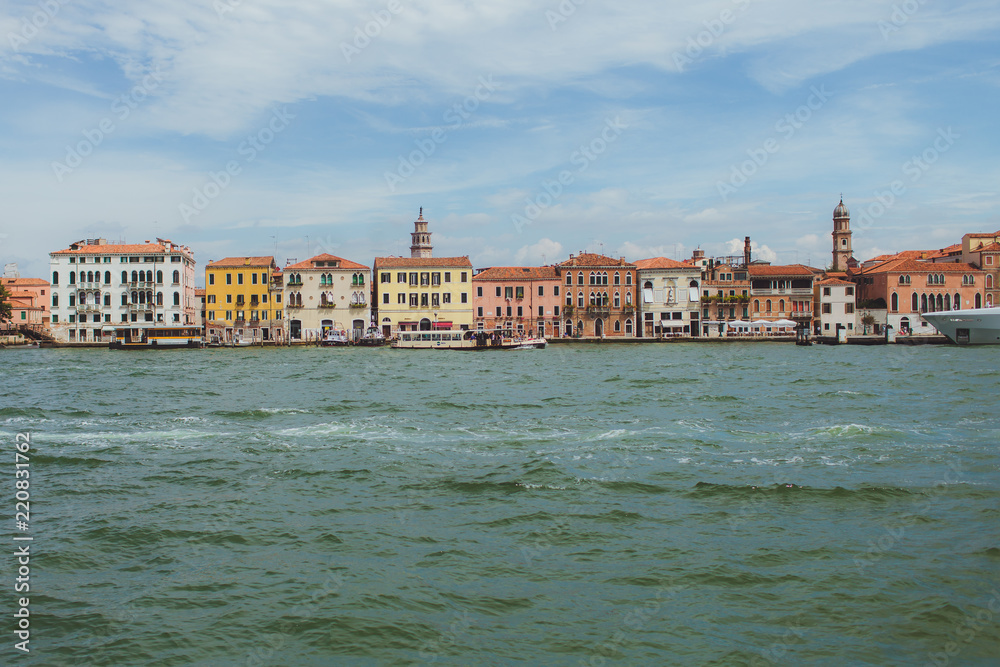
718,504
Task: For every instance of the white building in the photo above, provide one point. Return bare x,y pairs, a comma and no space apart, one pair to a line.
327,292
835,305
669,297
96,284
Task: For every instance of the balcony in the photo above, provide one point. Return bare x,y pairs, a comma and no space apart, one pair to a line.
364,305
325,305
88,308
141,307
598,311
294,283
789,291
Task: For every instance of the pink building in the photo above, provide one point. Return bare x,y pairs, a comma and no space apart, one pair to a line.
29,301
520,298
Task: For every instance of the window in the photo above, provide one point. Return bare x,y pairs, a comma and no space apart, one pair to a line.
519,292
569,279
579,300
508,292
849,291
465,297
72,277
541,290
446,297
72,300
400,277
555,290
177,298
479,311
253,278
400,298
628,281
499,291
479,291
385,298
541,311
211,278
413,279
499,311
618,278
435,300
465,278
555,310
508,311
229,280
447,276
425,279
229,298
435,279
239,278
894,302
159,277
579,278
385,278
826,291
520,311
827,308
414,300
107,299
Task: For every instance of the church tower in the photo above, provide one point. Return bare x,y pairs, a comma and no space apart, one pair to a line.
842,252
421,245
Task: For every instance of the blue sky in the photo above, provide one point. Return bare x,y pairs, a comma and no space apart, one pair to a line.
248,127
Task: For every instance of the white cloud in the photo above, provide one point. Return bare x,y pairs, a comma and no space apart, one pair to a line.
545,251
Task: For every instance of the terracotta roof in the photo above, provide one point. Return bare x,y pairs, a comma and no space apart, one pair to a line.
833,281
992,247
661,263
513,273
913,266
593,259
416,262
117,249
983,235
761,270
326,257
199,291
24,282
240,262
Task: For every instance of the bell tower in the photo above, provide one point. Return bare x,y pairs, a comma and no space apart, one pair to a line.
842,252
421,243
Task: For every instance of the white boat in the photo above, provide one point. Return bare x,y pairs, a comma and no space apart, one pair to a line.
465,340
372,338
335,338
976,326
155,337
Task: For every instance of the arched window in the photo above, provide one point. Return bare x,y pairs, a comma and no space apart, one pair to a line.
628,298
618,278
322,295
947,302
940,302
907,279
159,298
569,327
107,277
579,327
579,278
159,277
767,306
781,305
628,278
177,298
979,300
604,298
914,306
82,297
902,280
177,277
923,303
135,276
756,305
579,300
55,300
593,298
989,281
628,327
72,300
569,279
618,326
591,278
957,301
124,276
569,298
894,301
604,278
72,277
618,300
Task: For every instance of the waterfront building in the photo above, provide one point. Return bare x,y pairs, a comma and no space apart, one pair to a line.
97,285
421,292
835,306
326,292
29,299
599,295
782,292
519,298
904,288
670,297
200,312
983,251
243,299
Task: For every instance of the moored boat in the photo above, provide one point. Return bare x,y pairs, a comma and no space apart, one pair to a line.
466,340
975,326
335,338
373,338
155,338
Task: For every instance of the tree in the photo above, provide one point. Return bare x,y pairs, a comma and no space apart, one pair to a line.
5,308
867,320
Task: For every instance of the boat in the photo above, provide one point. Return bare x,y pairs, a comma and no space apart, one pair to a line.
20,346
466,340
240,341
974,326
373,338
155,338
335,338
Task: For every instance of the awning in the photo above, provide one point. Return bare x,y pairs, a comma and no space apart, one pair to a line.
442,325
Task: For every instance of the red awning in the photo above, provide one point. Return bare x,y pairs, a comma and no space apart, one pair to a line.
442,325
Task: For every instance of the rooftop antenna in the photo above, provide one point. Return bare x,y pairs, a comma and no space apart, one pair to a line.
275,239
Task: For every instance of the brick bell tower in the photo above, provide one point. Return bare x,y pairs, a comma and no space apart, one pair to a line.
421,238
842,253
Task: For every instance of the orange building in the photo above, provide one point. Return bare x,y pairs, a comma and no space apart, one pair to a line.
29,300
599,295
525,299
907,287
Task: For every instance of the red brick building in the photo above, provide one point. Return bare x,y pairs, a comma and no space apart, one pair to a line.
600,295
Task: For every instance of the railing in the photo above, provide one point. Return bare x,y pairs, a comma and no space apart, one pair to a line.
365,305
324,305
294,283
88,308
790,291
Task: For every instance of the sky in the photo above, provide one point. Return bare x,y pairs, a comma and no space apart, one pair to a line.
526,130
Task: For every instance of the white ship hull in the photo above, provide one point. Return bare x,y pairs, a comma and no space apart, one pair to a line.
979,326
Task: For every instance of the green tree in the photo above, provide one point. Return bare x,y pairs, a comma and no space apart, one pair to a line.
5,310
868,320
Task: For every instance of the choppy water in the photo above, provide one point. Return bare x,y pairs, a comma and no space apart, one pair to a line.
648,505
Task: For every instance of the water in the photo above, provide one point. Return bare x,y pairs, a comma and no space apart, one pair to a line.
646,505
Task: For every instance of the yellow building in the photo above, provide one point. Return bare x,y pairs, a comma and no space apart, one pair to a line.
422,292
243,298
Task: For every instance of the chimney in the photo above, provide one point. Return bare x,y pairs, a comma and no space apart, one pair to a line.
746,251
